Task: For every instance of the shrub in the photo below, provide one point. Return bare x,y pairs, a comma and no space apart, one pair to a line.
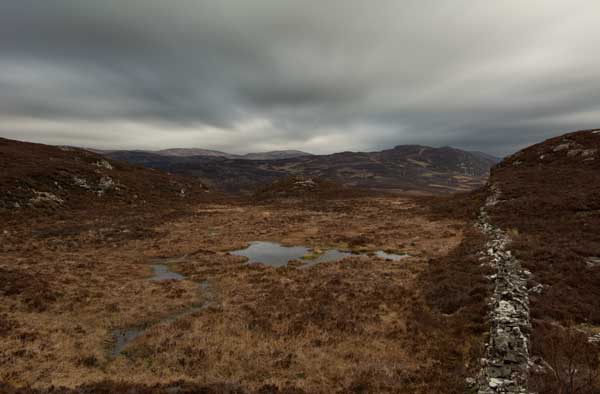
572,363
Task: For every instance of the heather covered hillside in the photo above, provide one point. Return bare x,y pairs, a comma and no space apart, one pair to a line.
547,199
48,178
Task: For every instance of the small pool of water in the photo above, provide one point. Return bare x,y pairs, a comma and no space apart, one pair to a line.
271,253
162,272
276,255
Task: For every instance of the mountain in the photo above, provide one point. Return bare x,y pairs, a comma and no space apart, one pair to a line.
405,168
275,155
486,156
183,152
195,152
272,155
37,177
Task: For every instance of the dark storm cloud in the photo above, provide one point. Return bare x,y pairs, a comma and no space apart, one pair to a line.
321,76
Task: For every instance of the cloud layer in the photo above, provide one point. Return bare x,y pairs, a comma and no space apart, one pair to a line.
252,75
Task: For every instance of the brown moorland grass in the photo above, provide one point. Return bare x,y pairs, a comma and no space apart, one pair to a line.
452,314
348,326
73,272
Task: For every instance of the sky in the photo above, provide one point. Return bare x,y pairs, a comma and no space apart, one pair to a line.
320,76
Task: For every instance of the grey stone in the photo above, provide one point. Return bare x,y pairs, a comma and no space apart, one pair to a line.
537,289
593,262
81,182
103,164
507,360
561,147
594,338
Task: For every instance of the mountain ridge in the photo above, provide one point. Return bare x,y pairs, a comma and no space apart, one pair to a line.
404,168
193,152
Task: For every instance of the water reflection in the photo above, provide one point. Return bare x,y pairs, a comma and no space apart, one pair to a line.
276,255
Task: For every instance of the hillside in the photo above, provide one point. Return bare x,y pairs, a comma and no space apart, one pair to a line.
408,169
545,200
37,178
550,195
305,188
528,270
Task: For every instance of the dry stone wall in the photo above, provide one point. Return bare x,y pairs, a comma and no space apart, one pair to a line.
505,368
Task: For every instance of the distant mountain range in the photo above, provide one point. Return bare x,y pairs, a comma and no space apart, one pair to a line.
405,168
191,152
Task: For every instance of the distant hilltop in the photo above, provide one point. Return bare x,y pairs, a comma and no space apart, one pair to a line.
193,152
403,169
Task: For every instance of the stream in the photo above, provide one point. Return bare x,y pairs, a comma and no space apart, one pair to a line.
161,272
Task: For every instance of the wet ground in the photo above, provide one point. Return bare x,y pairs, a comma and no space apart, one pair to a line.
111,309
124,336
162,272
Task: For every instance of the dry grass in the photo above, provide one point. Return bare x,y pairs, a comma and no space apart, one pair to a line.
348,326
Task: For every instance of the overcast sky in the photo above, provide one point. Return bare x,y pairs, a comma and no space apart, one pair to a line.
315,75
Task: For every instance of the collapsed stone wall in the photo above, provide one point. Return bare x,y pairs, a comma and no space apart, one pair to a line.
505,368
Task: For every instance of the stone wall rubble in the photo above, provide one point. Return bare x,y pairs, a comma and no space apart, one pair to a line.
505,367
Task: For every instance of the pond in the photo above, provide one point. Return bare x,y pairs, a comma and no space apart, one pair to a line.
277,255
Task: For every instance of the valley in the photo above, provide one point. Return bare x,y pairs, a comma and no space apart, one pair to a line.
296,197
118,278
